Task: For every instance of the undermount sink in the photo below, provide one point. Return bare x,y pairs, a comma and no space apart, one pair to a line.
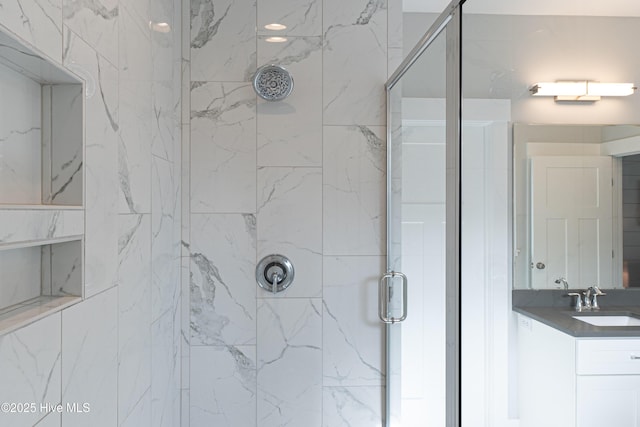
609,320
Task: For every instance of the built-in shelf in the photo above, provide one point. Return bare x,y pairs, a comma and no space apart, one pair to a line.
41,185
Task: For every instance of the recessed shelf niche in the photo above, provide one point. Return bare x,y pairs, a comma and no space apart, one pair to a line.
41,185
37,279
41,129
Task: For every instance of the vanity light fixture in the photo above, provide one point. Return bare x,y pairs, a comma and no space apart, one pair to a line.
582,90
275,27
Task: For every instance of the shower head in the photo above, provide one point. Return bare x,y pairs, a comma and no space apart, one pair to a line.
272,82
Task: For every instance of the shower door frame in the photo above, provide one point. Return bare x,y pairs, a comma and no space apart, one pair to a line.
451,20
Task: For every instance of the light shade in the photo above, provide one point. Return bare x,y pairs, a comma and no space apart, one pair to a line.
582,90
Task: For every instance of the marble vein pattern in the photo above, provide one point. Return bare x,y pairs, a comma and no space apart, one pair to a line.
352,333
301,18
30,368
290,131
96,22
354,190
101,160
134,311
25,225
290,223
134,47
65,269
66,154
223,40
223,287
20,138
353,406
39,22
354,62
165,264
224,396
289,362
165,370
90,359
140,415
134,147
223,147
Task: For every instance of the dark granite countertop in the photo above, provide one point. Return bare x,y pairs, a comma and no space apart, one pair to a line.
561,318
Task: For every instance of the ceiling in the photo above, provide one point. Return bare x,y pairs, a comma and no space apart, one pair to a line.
535,7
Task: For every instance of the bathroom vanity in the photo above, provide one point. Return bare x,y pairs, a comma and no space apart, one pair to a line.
572,373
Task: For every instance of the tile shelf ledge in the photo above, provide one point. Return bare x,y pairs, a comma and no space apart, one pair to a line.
8,206
22,314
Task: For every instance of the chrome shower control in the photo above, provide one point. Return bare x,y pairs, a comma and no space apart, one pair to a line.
274,273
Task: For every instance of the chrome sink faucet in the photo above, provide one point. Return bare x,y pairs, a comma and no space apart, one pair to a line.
590,298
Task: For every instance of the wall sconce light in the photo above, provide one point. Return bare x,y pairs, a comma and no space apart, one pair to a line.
581,90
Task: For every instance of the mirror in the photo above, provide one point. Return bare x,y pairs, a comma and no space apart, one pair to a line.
576,206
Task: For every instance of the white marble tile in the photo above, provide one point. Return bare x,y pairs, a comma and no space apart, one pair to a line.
354,62
223,386
353,336
20,138
90,360
223,147
101,160
21,275
223,286
24,225
165,122
165,371
140,415
134,46
302,18
134,148
30,360
290,131
353,406
223,40
96,22
39,22
139,10
162,43
64,273
289,362
185,407
290,223
354,190
185,326
165,262
53,419
395,23
134,311
63,179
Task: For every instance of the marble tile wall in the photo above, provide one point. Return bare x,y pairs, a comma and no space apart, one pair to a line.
118,350
304,177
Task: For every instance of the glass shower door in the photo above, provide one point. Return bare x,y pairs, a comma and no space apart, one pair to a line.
422,356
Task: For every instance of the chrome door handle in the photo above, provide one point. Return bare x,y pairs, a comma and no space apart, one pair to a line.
385,294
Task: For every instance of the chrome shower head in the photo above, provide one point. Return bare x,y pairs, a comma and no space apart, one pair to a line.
272,82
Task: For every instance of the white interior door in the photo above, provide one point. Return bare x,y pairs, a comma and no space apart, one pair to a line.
572,221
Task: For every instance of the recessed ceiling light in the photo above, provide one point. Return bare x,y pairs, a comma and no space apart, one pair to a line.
276,39
160,27
275,27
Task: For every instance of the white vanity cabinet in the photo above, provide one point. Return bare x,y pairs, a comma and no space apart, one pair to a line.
566,381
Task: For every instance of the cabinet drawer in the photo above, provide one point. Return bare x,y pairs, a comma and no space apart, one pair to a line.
604,356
